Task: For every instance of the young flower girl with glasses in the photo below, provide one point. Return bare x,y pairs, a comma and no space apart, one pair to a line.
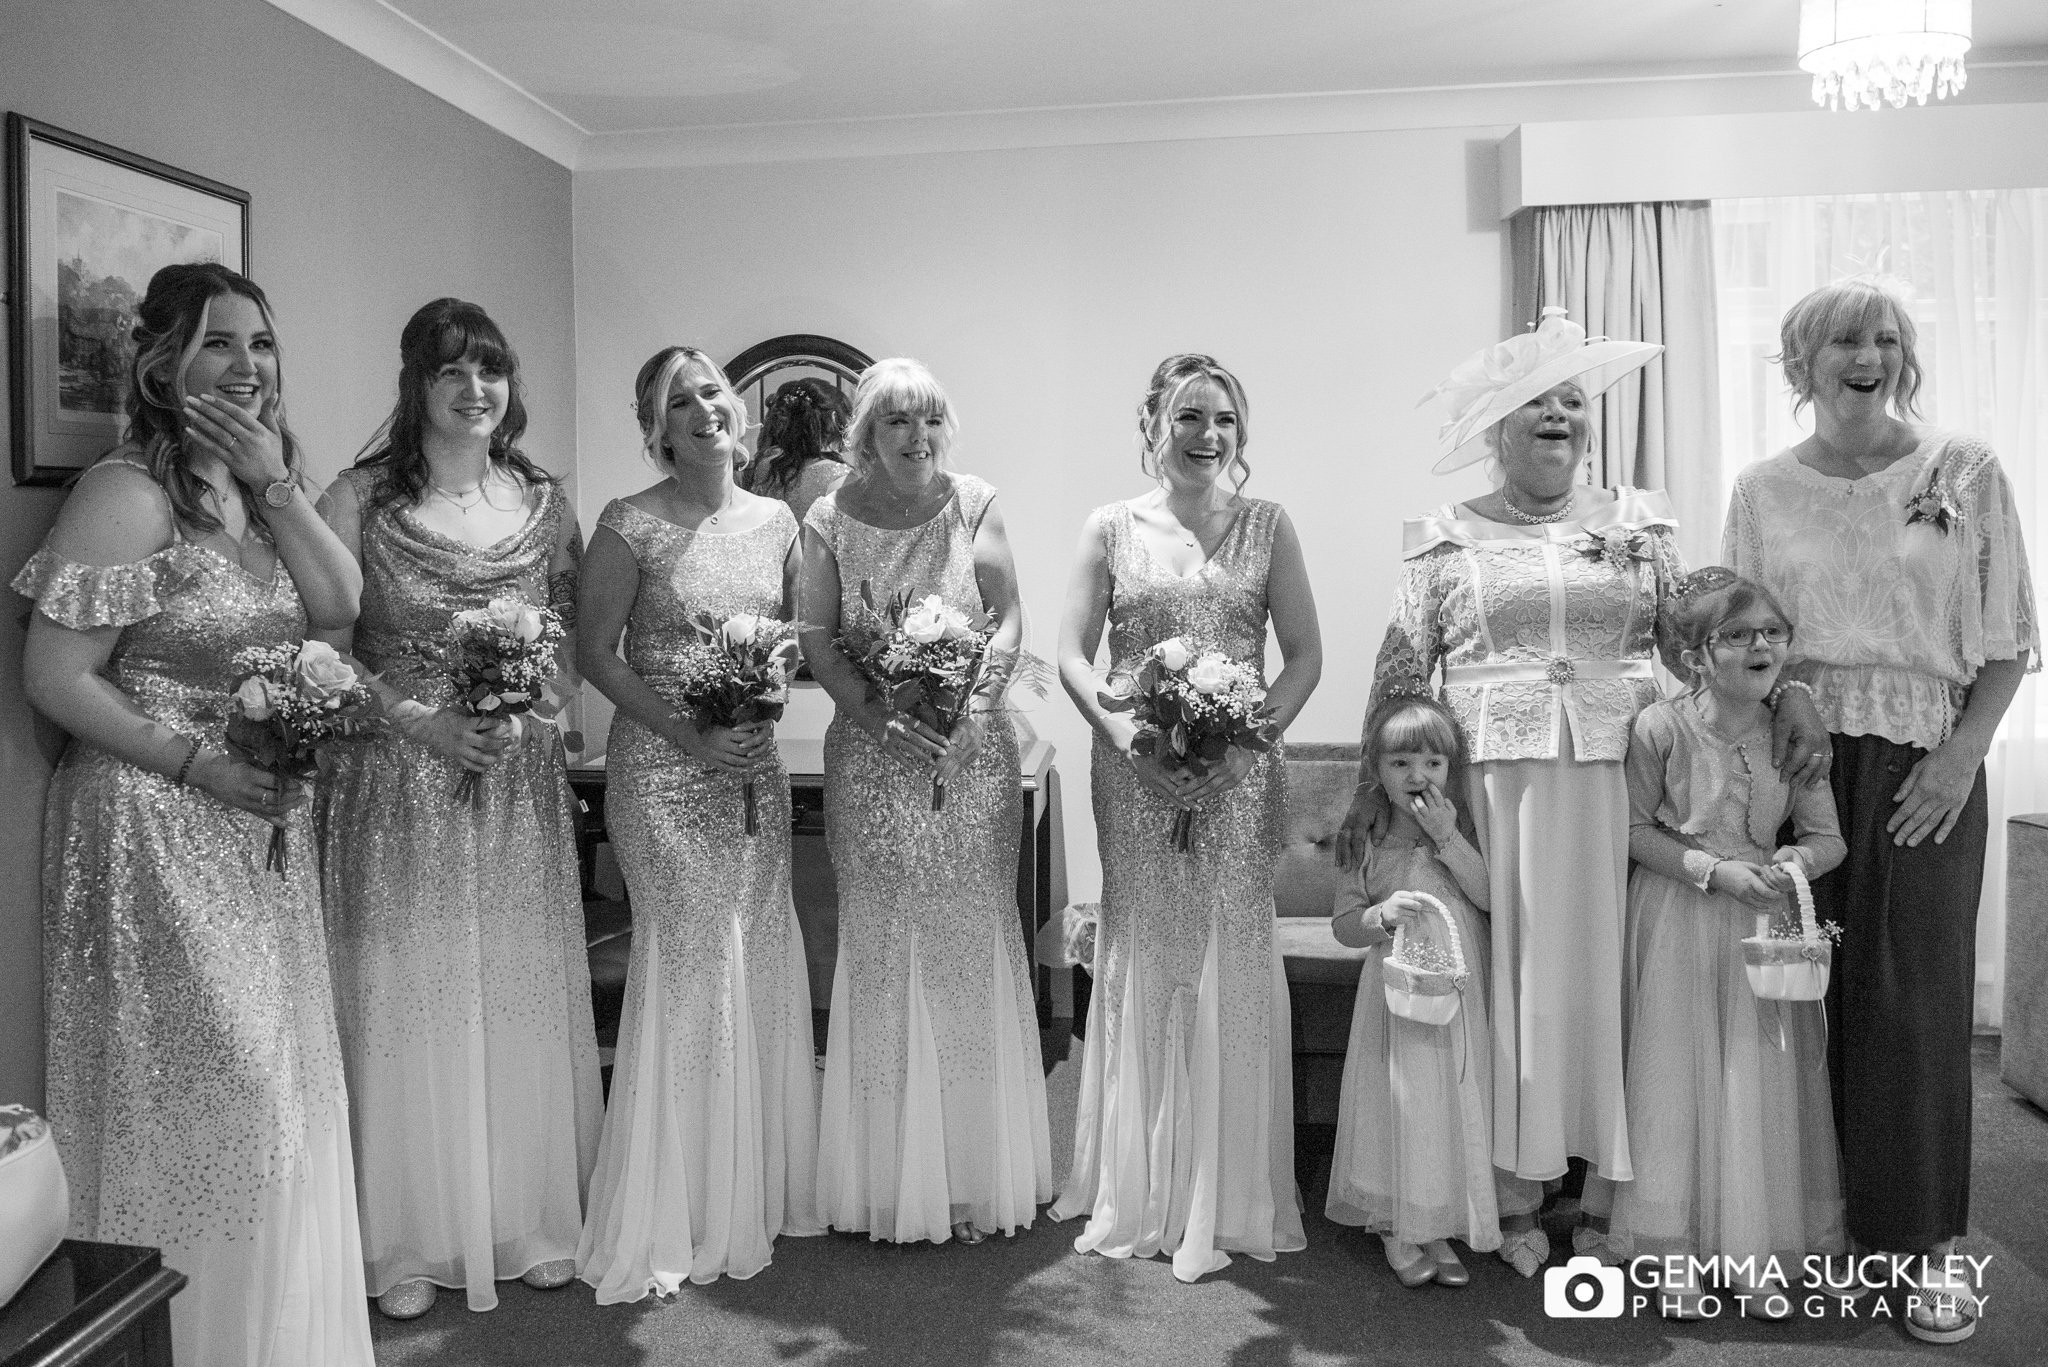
1728,1108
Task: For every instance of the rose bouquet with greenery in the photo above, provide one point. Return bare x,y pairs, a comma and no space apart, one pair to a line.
1192,703
501,658
290,702
928,660
736,673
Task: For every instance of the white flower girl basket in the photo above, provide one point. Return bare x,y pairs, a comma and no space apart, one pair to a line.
1789,970
35,1203
1423,993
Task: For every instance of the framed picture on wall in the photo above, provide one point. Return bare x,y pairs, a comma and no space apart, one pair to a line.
87,225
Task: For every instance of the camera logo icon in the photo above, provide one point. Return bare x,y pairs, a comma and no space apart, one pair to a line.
1583,1290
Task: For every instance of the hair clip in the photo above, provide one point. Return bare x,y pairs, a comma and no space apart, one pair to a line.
1705,580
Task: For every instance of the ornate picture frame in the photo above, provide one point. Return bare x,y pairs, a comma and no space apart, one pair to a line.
87,225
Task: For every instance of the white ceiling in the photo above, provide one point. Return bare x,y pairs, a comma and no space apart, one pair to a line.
613,66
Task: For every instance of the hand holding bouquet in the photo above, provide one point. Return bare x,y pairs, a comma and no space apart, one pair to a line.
736,674
1192,705
288,703
929,662
500,658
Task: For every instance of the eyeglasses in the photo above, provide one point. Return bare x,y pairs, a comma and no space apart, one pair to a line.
1743,637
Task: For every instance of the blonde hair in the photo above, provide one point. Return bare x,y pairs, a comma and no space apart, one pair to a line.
898,385
1171,379
1847,307
650,402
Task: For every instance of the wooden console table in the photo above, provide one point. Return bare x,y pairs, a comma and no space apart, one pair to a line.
92,1305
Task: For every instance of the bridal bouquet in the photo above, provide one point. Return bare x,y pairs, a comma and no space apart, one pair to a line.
929,661
500,657
735,673
1191,704
287,704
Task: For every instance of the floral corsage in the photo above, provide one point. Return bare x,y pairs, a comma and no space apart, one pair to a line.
1934,503
1618,548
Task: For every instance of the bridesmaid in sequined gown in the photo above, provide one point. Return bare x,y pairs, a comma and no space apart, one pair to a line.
195,1081
710,1141
1184,1135
933,1121
456,928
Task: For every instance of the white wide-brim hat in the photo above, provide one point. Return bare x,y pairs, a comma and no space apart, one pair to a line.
1498,379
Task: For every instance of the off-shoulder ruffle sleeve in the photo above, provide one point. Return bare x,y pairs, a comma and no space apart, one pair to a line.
84,596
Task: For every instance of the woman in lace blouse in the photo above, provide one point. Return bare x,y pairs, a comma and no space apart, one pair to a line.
1898,550
1538,603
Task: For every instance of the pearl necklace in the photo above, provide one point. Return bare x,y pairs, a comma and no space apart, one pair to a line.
1534,519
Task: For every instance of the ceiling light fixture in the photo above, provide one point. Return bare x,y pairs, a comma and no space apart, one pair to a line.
1863,51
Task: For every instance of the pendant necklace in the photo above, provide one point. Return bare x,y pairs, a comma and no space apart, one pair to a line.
475,493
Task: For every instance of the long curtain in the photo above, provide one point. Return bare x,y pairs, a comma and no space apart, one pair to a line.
1973,266
1644,272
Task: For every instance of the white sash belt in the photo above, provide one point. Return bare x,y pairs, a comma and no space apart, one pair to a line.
1558,669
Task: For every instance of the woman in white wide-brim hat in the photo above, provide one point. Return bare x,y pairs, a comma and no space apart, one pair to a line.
1538,604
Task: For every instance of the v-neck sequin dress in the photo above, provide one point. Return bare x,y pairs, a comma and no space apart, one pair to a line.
710,1140
195,1083
460,976
1184,1137
934,1102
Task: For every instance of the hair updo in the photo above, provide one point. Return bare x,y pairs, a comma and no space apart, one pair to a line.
800,423
170,326
1697,607
1173,377
650,402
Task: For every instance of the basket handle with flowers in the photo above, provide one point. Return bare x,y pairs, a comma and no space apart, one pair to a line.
1785,967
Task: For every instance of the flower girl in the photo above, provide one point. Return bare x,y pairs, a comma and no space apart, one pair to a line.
1728,1109
1413,1161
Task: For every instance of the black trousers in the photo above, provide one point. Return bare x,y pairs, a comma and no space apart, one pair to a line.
1901,1004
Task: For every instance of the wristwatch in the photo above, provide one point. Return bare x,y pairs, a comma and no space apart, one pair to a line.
278,495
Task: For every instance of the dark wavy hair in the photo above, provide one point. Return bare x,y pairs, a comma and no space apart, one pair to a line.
1697,607
798,423
1416,722
1170,379
439,334
169,324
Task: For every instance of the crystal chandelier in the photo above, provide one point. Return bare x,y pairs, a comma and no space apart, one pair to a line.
1863,51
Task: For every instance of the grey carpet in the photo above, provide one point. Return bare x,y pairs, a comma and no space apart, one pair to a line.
1031,1299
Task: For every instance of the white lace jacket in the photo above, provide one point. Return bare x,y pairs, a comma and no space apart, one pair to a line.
1534,628
1891,618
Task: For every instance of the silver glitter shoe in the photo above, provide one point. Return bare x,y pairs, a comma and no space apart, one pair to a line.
408,1300
548,1276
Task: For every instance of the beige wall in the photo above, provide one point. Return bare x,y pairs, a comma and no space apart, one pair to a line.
1338,275
369,198
1341,274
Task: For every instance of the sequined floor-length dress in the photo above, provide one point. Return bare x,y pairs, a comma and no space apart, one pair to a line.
710,1140
1414,1154
460,976
934,1103
195,1081
1184,1136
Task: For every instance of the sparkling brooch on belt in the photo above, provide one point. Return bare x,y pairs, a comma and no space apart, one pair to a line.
1561,671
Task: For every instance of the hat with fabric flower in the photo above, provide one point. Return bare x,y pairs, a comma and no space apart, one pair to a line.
1501,378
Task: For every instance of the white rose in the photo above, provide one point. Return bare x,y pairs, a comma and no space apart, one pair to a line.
322,673
515,617
741,628
1210,674
253,698
1172,653
926,622
954,621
